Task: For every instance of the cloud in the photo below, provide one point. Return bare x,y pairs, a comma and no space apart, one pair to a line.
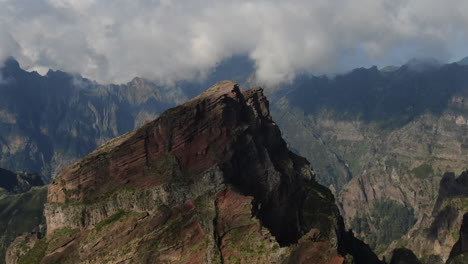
168,40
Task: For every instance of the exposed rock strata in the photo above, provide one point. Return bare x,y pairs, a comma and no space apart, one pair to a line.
210,181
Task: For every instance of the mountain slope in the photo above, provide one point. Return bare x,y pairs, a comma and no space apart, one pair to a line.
210,181
22,199
437,235
47,122
382,140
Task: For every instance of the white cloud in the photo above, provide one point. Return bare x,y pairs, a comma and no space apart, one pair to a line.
115,40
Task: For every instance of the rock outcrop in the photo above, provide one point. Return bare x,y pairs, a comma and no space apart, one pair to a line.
381,138
209,181
436,235
48,122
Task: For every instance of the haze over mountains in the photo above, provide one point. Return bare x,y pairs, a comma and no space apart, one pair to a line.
380,139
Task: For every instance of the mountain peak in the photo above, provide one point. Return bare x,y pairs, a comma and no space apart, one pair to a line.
212,171
204,121
421,64
11,64
227,88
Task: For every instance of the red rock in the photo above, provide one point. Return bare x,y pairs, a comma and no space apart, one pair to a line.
210,180
186,132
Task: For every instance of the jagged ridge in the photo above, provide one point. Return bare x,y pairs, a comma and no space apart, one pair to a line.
191,181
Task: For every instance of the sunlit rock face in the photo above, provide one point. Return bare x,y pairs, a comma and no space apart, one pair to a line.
209,181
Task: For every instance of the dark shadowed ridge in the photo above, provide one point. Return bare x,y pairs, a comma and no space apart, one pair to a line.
396,96
60,117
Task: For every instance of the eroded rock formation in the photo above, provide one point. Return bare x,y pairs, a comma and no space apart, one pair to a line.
210,181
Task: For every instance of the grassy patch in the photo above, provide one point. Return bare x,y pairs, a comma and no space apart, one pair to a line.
461,203
111,219
36,254
64,232
21,213
423,171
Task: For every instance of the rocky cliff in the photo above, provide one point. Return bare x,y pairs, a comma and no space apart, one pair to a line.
437,234
382,140
209,181
48,122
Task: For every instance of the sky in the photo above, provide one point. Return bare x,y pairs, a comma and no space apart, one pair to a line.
112,41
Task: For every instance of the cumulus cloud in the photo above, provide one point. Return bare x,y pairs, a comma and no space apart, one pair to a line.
168,40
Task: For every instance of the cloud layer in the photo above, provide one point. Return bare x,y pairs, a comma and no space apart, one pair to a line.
168,40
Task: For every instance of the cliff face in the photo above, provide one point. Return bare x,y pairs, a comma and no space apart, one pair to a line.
210,181
382,140
439,233
48,122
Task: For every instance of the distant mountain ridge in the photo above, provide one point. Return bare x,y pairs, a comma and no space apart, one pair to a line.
381,139
47,122
18,182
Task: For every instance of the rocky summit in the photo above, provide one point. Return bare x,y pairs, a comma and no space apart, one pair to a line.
209,181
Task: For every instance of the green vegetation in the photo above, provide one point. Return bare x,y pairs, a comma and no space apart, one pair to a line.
57,238
36,254
349,259
423,171
460,259
21,213
64,232
120,215
111,219
389,218
461,203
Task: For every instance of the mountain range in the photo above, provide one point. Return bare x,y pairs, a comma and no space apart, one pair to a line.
384,141
209,181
